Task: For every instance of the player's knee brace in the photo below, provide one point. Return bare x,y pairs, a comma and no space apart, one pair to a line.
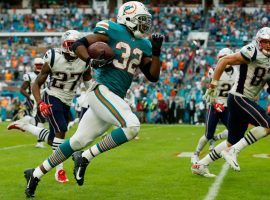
131,132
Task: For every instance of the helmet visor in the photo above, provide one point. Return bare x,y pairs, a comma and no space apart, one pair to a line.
144,23
67,44
38,67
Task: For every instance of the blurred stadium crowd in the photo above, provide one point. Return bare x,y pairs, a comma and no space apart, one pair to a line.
177,97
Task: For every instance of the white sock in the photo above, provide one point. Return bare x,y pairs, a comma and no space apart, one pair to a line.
38,173
202,142
251,137
43,135
214,154
91,153
34,130
40,125
56,143
222,135
29,119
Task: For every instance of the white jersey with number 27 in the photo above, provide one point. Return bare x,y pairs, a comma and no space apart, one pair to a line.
65,77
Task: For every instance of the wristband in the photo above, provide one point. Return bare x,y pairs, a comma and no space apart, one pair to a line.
156,52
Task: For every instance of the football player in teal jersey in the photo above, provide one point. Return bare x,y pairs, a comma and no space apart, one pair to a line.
106,95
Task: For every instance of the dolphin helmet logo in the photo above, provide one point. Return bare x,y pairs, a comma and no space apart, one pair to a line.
129,9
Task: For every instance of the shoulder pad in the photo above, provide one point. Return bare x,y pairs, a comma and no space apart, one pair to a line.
210,72
249,52
49,57
26,77
102,27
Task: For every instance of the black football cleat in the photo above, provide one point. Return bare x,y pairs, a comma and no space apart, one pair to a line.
31,183
80,165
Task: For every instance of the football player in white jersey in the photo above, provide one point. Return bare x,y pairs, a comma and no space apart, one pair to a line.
66,71
114,76
33,116
217,111
254,73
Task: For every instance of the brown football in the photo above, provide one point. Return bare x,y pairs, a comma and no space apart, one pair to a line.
100,50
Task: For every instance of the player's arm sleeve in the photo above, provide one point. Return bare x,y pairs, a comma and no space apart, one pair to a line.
249,52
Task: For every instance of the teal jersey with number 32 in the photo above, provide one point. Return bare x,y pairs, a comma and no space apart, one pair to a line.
129,52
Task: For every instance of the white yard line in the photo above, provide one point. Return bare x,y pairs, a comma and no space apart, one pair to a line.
214,189
15,147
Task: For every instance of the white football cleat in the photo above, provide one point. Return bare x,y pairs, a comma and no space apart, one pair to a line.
230,156
40,145
194,158
19,124
201,170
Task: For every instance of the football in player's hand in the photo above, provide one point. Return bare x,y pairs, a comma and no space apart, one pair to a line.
100,50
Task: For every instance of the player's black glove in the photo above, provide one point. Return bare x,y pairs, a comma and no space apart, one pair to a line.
98,62
156,40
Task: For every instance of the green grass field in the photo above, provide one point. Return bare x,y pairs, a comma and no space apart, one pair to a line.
142,169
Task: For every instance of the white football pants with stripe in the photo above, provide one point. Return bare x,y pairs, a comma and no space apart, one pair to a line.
106,109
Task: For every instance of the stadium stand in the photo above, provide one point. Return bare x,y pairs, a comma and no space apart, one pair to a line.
185,63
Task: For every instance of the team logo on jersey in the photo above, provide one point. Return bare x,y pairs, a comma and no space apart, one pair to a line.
129,9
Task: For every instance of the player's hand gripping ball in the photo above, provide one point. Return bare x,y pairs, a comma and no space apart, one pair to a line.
101,54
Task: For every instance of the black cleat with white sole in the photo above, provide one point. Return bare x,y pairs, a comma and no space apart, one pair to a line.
31,183
80,165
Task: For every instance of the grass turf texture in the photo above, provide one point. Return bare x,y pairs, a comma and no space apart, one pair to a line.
147,168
